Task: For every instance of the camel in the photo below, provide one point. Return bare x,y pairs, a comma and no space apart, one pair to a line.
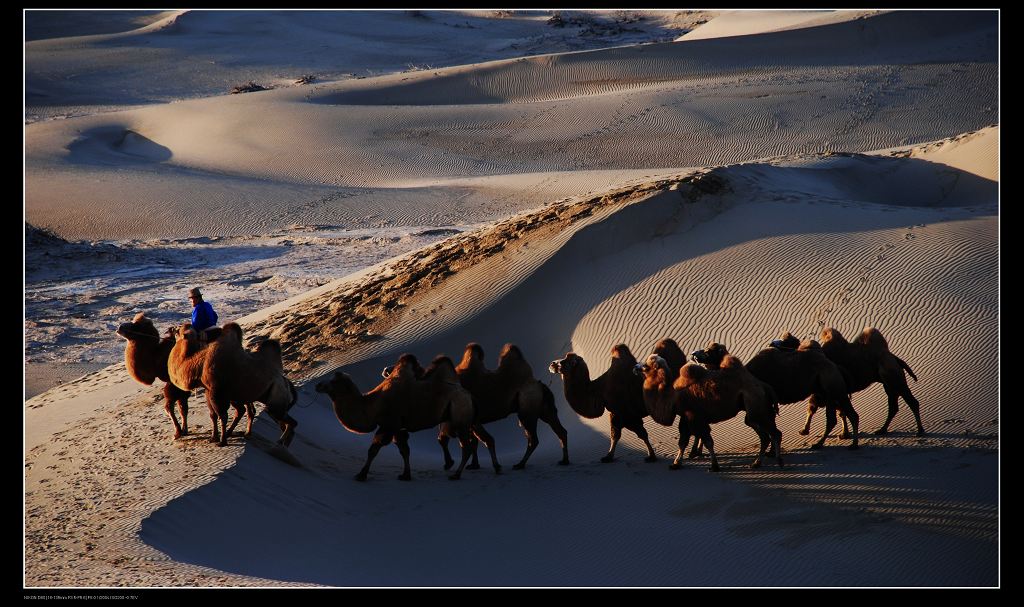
233,375
510,388
865,361
618,390
401,404
795,375
701,397
185,367
145,358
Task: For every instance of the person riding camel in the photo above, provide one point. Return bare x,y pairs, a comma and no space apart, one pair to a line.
204,319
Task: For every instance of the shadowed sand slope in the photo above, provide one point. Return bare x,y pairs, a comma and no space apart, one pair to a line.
735,254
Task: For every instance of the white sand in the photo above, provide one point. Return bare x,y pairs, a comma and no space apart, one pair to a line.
605,236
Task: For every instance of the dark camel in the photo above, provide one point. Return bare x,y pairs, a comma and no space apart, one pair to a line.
701,397
618,390
401,404
795,375
145,357
867,360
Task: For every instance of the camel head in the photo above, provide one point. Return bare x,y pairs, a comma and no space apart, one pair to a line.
339,383
139,327
567,365
711,356
650,367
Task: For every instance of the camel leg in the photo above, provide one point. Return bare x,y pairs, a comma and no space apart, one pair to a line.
696,451
239,412
183,409
684,438
214,419
485,437
846,407
169,409
637,428
468,443
915,408
710,444
442,439
830,423
615,433
748,420
402,440
551,418
379,440
812,407
250,413
215,422
530,428
287,425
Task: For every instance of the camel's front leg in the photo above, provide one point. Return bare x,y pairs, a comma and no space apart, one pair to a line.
614,433
402,440
379,440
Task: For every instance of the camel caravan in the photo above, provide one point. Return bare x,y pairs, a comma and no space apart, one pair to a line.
460,400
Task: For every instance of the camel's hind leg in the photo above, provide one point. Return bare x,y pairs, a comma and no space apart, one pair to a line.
379,440
250,413
442,439
614,433
551,418
684,438
402,440
485,437
468,443
287,425
812,407
705,432
637,427
529,425
240,410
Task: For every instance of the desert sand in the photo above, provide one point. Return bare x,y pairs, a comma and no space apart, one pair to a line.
476,176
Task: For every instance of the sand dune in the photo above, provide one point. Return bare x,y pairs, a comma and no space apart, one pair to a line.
807,170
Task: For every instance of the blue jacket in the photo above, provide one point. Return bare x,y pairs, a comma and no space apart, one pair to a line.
203,316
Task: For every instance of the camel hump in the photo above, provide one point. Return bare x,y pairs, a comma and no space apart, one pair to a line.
621,351
691,374
831,334
510,352
872,339
139,318
731,362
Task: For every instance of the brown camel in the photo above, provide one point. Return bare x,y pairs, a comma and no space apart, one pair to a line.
145,357
618,390
185,367
865,361
401,404
233,375
796,375
510,388
701,397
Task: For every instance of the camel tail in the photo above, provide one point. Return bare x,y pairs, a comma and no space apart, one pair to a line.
906,367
